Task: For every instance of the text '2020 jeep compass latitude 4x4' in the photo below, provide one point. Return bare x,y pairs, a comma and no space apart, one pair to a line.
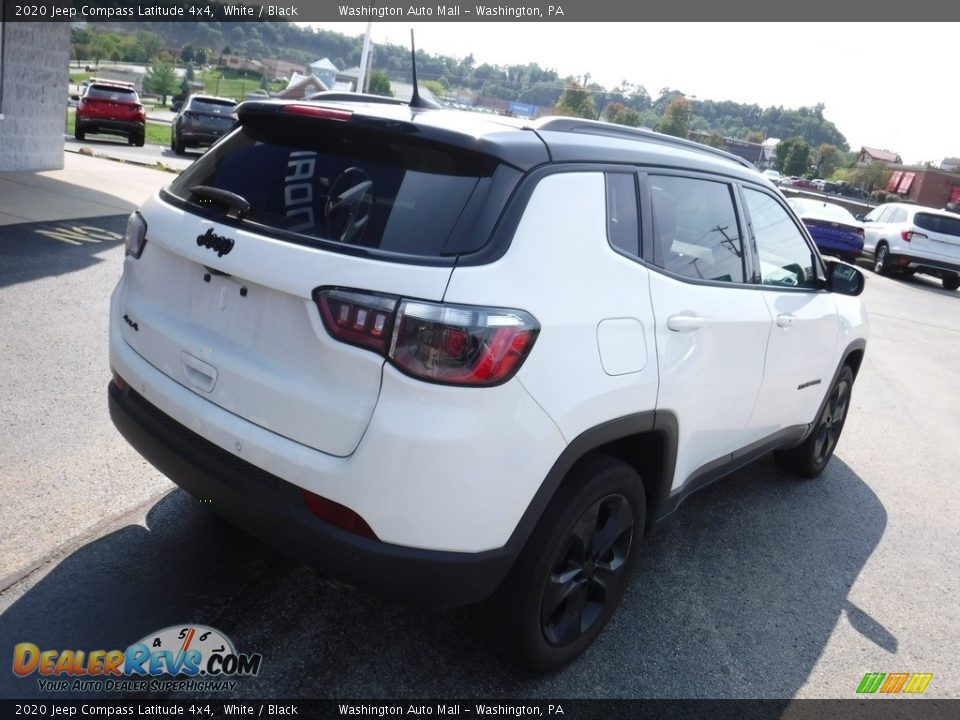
455,358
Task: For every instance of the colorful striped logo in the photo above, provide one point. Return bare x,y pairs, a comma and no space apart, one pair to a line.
894,683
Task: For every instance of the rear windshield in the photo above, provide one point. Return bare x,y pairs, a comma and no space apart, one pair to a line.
223,107
938,223
111,93
329,182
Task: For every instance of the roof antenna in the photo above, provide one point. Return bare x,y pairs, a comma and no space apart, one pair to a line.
415,100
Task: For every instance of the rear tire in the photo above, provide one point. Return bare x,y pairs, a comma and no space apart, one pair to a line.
138,140
811,457
881,261
177,146
78,131
950,282
573,570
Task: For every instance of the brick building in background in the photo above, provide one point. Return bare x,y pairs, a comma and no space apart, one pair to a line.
925,186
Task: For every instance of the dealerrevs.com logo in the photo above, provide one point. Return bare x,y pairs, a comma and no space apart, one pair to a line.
178,658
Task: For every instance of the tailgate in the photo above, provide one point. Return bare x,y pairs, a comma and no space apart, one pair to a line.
242,330
111,110
221,299
937,234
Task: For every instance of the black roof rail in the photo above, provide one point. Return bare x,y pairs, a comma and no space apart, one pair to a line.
340,96
596,127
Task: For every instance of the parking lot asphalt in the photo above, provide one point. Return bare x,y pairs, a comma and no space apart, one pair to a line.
759,586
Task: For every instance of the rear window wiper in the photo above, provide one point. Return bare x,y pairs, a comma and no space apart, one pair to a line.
236,203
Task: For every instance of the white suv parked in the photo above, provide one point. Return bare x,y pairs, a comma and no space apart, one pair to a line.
455,358
913,238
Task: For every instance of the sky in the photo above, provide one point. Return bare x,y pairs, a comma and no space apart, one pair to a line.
888,86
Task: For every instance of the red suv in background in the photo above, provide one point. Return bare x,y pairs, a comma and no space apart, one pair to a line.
112,108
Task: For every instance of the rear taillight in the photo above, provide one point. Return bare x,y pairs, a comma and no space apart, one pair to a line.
459,344
909,235
136,235
357,318
443,343
141,113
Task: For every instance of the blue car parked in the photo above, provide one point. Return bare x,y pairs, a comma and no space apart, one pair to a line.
833,228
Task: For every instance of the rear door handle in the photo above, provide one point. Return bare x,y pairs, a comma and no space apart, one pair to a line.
784,321
679,323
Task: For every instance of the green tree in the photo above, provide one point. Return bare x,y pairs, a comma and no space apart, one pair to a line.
379,84
186,53
619,113
160,80
755,136
715,139
575,102
435,87
183,94
103,47
870,177
149,43
793,156
676,118
828,159
200,56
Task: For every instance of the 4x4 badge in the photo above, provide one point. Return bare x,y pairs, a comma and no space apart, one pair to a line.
222,245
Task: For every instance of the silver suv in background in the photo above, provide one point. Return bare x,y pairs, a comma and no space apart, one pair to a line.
913,238
202,120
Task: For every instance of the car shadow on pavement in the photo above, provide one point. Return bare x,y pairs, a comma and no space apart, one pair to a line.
920,281
29,251
735,597
928,283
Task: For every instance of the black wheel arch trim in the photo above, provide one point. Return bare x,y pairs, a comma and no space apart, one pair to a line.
855,346
660,423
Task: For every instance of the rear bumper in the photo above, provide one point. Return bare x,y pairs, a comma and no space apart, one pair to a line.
925,265
840,246
274,511
123,127
197,137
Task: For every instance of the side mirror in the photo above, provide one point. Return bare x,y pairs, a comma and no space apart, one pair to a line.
844,279
861,217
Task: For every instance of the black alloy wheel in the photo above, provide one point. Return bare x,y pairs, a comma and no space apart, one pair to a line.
588,570
831,422
575,567
812,455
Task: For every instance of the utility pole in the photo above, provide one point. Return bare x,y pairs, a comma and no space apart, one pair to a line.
364,55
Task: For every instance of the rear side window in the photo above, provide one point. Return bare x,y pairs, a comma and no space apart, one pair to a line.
695,228
339,184
623,219
938,223
897,216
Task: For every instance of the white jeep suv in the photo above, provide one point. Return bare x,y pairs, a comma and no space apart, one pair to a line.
454,358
